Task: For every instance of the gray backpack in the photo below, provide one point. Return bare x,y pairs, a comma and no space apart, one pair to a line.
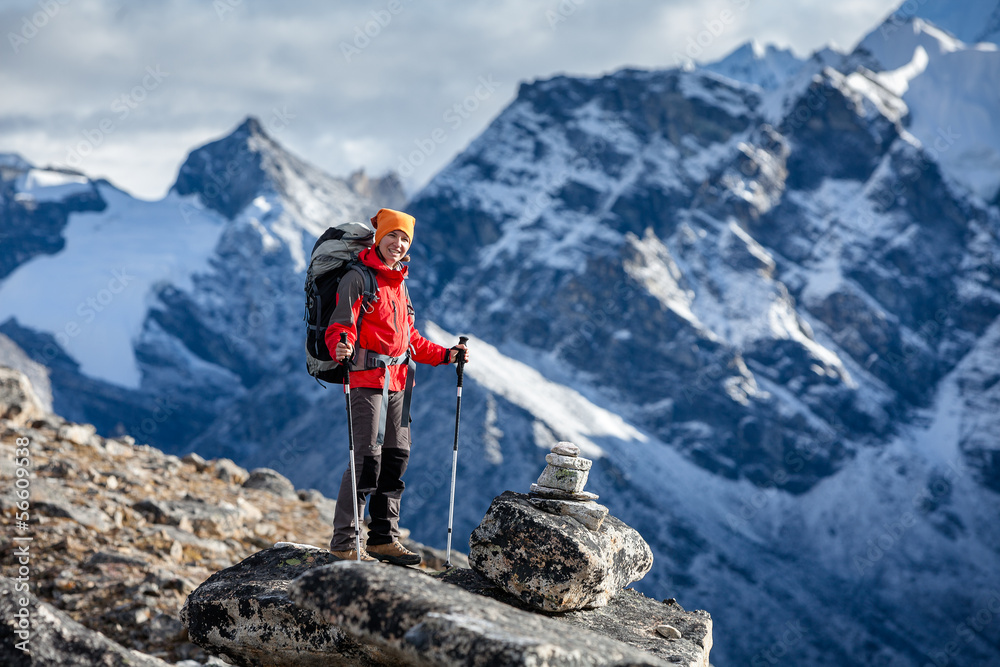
335,253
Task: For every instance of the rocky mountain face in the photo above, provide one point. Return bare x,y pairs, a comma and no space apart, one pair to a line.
766,309
32,225
206,334
786,287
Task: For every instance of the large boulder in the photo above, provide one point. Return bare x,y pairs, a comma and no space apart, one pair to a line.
630,617
271,481
244,614
18,401
338,613
552,562
199,517
421,621
54,638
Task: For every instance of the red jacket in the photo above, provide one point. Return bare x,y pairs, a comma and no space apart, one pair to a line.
385,329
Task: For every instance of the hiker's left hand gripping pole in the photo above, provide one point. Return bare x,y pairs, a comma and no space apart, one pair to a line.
460,358
350,440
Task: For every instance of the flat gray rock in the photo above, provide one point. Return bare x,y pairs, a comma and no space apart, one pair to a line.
571,462
228,471
564,479
197,516
52,502
272,481
546,492
423,621
565,449
588,513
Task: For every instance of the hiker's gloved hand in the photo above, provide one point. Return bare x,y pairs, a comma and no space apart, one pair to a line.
453,358
344,351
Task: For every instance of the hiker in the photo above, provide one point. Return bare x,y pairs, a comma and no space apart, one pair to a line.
387,328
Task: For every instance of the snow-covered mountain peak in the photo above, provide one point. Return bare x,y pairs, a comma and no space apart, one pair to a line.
952,91
14,161
248,176
971,21
894,43
230,173
764,66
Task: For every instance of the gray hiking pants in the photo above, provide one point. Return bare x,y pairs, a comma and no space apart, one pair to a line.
379,471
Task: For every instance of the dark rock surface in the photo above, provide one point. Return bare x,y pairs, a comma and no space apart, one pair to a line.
56,639
244,613
29,227
555,563
426,622
630,617
229,173
296,605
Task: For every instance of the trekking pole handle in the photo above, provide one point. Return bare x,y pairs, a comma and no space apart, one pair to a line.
343,339
460,358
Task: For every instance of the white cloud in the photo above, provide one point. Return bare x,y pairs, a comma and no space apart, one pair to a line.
365,109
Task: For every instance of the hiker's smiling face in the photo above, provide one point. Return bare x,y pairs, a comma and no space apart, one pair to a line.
393,246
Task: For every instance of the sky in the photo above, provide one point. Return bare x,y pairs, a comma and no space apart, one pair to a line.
124,90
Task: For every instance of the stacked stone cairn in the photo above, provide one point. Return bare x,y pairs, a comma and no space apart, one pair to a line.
559,489
555,549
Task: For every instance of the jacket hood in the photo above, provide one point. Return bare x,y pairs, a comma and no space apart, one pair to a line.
369,257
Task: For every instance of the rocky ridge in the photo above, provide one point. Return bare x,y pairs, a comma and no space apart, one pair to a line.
294,605
122,533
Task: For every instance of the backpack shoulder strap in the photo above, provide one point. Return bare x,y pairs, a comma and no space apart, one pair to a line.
369,291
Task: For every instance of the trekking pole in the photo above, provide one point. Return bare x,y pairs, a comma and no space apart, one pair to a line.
462,340
350,440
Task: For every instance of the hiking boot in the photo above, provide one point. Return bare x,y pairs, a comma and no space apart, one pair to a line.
352,554
394,553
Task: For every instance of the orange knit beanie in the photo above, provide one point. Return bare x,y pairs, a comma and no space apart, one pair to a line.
387,220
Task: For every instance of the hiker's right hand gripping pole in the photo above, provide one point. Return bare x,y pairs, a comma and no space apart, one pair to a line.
460,358
350,439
